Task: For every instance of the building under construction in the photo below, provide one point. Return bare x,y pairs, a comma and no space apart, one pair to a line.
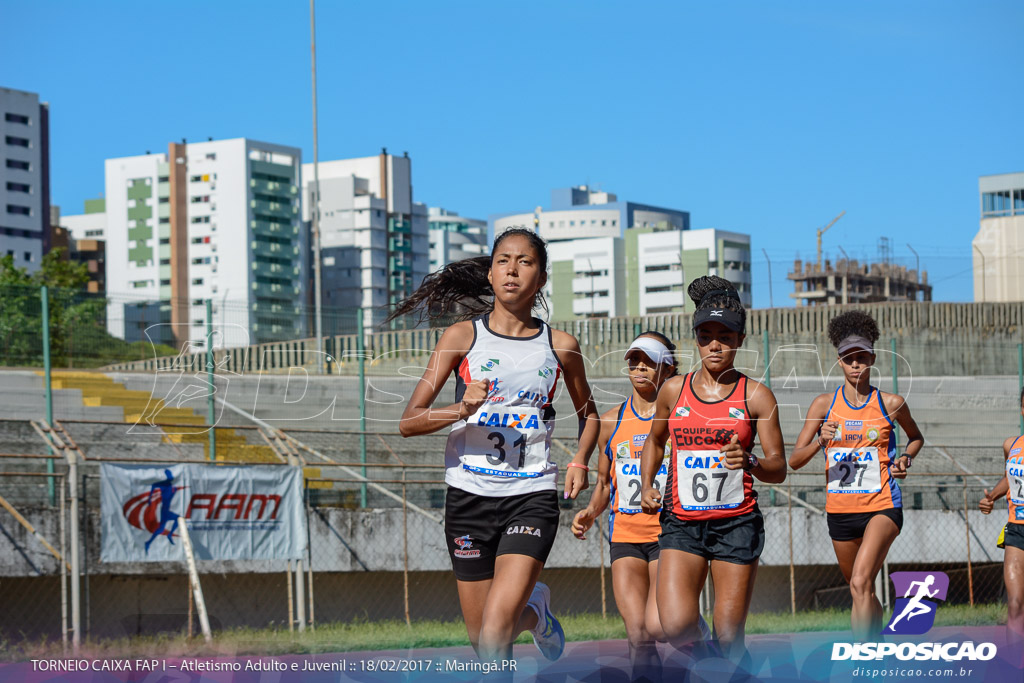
850,282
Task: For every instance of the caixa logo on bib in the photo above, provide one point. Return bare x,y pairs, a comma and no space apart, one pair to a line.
913,614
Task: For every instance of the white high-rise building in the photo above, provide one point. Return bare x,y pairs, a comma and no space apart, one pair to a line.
217,220
373,237
998,248
644,273
24,178
454,237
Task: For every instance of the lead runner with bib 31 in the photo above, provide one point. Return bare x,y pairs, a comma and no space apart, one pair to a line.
710,516
855,427
501,509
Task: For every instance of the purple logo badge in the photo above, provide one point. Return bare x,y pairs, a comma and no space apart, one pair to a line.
914,612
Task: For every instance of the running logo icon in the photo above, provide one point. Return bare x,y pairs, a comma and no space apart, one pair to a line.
914,613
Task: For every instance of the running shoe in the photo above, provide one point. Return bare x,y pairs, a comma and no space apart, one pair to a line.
548,635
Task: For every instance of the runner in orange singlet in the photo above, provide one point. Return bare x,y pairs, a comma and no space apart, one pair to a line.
855,426
632,533
710,515
1012,486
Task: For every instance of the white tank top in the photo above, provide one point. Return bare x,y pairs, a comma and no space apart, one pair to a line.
504,448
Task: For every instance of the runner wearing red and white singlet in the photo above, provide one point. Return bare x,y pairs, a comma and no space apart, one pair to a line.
710,519
633,533
1012,486
855,428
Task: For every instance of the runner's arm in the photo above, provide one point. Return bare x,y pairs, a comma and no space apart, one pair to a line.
569,355
897,406
653,454
601,494
809,443
418,417
771,466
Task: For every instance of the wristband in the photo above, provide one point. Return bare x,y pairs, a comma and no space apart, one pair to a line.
576,464
751,463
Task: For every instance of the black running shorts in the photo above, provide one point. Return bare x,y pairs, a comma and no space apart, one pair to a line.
738,540
1014,536
849,526
479,528
648,552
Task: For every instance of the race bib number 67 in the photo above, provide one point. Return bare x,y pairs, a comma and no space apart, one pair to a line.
703,482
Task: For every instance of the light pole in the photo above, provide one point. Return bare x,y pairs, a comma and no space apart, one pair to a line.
771,299
315,209
983,271
917,267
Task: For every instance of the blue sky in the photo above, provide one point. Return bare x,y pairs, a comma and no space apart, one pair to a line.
766,118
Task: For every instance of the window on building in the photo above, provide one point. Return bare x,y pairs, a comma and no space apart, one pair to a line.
164,283
165,220
19,165
19,210
197,280
613,222
18,187
165,240
1018,201
164,179
94,233
16,141
200,219
28,255
604,222
211,155
165,262
572,223
996,203
15,118
164,200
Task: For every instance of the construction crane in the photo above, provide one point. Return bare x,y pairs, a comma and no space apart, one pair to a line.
821,231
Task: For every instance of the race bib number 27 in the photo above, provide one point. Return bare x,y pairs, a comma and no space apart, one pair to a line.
627,483
854,470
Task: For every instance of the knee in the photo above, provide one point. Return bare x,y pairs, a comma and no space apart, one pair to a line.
1015,607
681,629
862,586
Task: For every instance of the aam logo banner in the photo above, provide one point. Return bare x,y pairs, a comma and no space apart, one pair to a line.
233,513
914,612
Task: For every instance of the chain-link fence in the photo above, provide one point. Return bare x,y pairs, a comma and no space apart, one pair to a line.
376,548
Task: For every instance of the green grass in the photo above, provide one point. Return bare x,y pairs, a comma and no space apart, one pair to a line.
396,635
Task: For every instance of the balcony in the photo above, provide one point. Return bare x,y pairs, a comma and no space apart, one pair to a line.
284,190
267,228
398,226
274,291
401,265
277,209
275,269
399,244
263,248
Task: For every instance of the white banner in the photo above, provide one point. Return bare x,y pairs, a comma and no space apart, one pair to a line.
233,513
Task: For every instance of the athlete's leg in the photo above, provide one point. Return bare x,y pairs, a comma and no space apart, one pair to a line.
681,577
1013,575
734,585
472,598
866,617
631,585
652,619
505,614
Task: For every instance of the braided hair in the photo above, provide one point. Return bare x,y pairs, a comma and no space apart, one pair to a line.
460,290
711,291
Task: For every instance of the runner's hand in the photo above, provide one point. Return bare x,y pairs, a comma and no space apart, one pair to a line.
735,456
581,523
576,482
473,397
899,468
651,501
828,432
985,504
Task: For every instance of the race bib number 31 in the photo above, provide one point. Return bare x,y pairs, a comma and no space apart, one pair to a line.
506,441
854,470
627,483
703,482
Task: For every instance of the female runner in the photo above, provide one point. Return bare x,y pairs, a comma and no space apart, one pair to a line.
501,510
855,427
710,513
633,534
1012,486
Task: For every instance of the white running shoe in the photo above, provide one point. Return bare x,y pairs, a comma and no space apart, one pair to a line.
548,635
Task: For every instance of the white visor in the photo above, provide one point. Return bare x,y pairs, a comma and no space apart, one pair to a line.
653,349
